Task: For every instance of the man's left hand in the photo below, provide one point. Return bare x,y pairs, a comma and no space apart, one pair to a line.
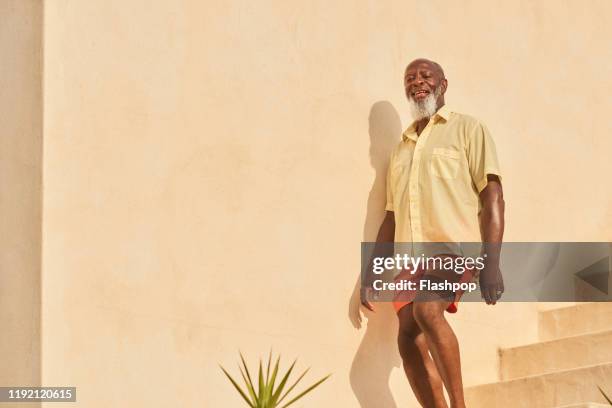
491,284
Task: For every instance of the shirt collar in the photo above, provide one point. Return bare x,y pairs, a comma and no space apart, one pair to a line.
442,113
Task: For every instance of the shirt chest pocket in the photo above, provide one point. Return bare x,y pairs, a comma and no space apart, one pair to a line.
445,163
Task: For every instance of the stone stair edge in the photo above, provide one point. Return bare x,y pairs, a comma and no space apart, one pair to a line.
563,309
527,377
585,405
574,336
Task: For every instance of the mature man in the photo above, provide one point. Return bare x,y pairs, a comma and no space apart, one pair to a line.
443,185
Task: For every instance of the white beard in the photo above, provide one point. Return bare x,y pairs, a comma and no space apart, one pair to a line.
425,108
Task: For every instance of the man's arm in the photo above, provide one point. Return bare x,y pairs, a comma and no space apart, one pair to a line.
492,231
386,234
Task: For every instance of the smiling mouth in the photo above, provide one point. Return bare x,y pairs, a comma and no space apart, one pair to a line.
420,93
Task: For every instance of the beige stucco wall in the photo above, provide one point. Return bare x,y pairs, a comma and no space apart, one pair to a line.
211,167
20,191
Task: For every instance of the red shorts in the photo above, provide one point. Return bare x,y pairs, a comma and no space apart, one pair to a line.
405,297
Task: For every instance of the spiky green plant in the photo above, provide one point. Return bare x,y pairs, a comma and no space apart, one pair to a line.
604,395
266,395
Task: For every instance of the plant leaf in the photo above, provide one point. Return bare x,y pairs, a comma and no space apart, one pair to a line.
250,383
249,387
279,390
604,395
269,363
235,384
312,387
293,386
265,396
270,384
262,386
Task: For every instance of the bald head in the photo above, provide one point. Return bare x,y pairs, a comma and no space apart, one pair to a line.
434,66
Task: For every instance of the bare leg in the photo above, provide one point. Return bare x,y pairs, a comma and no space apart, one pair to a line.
418,365
443,345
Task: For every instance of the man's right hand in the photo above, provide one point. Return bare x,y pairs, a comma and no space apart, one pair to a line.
368,293
386,234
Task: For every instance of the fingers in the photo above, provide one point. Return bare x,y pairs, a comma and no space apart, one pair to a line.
491,289
500,290
365,295
491,294
486,295
367,305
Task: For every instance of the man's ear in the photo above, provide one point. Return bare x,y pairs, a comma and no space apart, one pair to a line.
445,85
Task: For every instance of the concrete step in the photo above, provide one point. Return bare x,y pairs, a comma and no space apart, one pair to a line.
555,355
586,405
544,391
575,320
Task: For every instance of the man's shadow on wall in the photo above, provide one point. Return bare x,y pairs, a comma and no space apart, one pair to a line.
377,354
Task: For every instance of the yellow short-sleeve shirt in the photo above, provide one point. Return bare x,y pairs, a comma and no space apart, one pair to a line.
434,179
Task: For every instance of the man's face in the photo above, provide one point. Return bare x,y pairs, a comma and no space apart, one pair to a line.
421,79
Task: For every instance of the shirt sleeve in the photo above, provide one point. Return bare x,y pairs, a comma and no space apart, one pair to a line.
482,156
389,206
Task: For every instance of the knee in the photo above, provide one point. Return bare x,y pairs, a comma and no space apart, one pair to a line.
407,340
428,315
409,332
